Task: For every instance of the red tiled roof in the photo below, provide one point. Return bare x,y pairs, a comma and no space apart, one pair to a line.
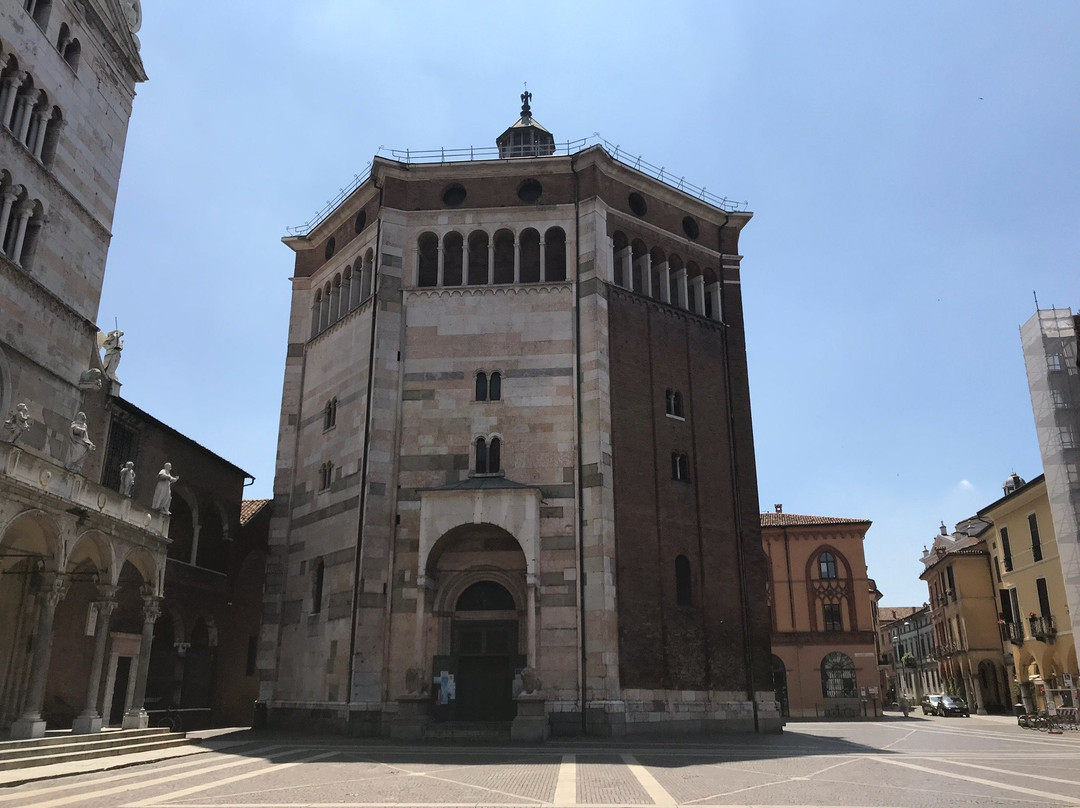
250,507
796,520
888,614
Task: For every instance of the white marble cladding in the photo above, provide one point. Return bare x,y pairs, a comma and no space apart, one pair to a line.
73,490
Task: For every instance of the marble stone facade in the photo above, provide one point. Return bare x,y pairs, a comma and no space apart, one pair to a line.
385,524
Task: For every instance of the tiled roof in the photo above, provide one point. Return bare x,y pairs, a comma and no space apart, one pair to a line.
796,520
887,614
250,507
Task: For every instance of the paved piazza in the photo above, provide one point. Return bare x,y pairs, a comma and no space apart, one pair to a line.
941,762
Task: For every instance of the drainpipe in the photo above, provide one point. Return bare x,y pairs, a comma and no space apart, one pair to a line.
364,460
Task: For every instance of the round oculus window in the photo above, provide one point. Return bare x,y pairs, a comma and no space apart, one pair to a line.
454,195
637,204
530,190
690,227
361,221
331,245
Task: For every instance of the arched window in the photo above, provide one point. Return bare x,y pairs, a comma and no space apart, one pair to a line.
335,300
72,53
328,252
555,254
63,38
827,566
348,292
619,252
838,676
481,386
478,271
680,467
316,308
481,465
317,576
683,592
52,137
39,10
495,387
453,257
368,285
330,414
326,476
529,260
495,456
427,260
504,257
324,315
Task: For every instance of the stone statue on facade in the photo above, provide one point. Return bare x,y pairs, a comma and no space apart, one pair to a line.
414,681
163,491
91,379
530,681
79,444
127,479
17,424
113,345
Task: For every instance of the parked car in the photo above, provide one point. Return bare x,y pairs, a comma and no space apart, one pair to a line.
929,704
952,705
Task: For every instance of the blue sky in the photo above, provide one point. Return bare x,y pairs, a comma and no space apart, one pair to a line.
913,169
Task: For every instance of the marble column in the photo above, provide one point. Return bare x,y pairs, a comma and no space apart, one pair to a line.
9,96
90,719
530,618
517,260
543,260
682,289
30,724
664,272
419,650
23,123
645,267
136,717
491,262
10,195
39,135
465,262
713,291
22,211
697,284
628,268
442,260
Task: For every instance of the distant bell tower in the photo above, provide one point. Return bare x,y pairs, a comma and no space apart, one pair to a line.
526,137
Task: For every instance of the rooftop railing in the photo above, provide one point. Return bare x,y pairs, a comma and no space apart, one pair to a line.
565,148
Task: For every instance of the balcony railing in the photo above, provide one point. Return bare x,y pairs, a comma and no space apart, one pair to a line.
1043,628
1013,632
946,650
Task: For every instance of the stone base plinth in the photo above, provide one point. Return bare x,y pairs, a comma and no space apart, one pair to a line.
136,719
86,725
531,723
412,716
26,728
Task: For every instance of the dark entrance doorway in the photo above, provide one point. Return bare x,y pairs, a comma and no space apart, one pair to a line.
483,654
120,687
779,681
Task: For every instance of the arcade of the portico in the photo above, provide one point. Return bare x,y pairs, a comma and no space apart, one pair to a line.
83,571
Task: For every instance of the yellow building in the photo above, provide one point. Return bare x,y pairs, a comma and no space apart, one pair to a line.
1033,611
822,608
963,604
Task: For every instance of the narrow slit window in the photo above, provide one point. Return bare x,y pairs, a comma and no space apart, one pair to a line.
481,386
481,456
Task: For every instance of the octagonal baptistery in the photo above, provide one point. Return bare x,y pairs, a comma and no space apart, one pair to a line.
515,478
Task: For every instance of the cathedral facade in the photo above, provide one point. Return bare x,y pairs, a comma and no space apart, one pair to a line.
515,462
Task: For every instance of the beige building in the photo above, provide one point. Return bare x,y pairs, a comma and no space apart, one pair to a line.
1033,606
963,603
822,608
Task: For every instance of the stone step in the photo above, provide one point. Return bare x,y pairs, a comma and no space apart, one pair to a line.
66,753
62,737
468,731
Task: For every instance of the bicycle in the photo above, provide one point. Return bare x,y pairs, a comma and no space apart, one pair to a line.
171,718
